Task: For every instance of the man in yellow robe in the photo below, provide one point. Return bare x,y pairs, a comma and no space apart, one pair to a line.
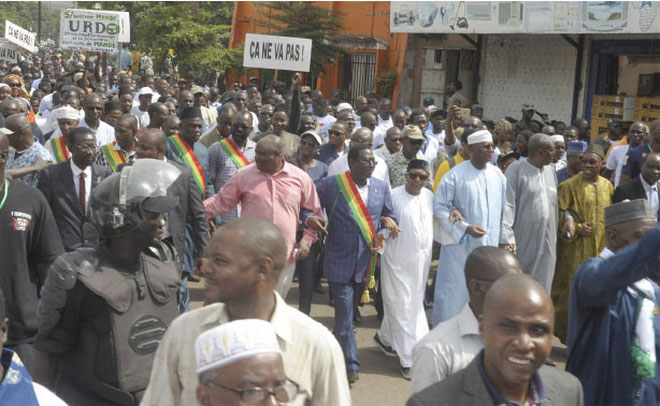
582,200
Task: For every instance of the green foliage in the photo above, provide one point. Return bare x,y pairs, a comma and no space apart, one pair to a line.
304,20
198,32
385,84
26,15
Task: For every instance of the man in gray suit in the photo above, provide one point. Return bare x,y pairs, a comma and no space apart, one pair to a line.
516,328
67,187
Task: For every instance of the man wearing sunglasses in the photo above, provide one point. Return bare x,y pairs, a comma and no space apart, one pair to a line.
93,106
397,164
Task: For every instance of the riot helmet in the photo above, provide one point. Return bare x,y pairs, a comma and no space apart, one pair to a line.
118,203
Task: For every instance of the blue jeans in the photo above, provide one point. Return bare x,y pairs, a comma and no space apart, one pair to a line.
344,295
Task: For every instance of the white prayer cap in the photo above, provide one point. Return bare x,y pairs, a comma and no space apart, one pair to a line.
479,136
67,112
145,91
234,341
557,138
344,106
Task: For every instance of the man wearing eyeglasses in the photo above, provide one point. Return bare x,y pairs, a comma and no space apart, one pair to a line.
336,145
612,135
240,364
397,164
93,106
67,187
405,266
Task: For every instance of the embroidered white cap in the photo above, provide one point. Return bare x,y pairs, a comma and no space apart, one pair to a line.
344,106
480,136
234,341
557,138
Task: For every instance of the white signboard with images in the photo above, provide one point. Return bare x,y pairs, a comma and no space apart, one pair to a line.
8,52
536,17
20,36
92,30
276,52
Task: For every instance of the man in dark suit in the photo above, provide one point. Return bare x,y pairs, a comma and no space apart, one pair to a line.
347,254
516,327
67,187
644,186
190,210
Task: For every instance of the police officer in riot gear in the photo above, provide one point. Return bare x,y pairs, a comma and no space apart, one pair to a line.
104,310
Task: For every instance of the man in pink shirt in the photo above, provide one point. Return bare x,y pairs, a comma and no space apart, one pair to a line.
272,188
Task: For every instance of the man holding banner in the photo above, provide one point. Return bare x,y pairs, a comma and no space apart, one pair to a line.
360,218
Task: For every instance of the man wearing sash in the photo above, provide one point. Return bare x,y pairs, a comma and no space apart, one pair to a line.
67,120
184,149
230,154
275,190
121,151
360,218
477,189
67,187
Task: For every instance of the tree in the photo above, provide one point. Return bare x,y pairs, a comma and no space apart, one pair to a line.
26,15
305,20
197,32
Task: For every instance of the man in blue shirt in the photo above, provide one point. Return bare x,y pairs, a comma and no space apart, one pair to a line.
614,326
632,164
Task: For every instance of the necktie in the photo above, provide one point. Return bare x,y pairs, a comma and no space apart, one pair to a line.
81,192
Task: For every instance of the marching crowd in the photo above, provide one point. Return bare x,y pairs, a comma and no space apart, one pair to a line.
119,187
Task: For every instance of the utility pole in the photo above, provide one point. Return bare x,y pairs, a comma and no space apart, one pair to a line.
39,26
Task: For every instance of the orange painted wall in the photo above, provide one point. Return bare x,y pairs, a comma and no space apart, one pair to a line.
370,19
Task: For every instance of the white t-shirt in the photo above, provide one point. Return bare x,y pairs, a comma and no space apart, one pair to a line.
323,124
46,397
142,116
104,134
616,160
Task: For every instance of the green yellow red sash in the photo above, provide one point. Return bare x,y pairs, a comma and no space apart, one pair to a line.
113,157
363,219
60,151
188,155
234,152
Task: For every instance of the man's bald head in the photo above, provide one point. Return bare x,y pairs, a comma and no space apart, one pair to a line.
516,290
272,142
17,122
362,135
152,144
92,98
267,243
483,266
9,106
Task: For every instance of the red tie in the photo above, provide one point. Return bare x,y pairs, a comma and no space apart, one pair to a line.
82,193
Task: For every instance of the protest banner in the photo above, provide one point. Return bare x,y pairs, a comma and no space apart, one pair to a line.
93,30
20,37
8,52
276,52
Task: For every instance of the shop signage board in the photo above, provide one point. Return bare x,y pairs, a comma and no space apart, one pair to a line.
531,17
276,52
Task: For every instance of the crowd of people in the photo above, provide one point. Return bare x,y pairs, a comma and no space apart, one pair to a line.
119,187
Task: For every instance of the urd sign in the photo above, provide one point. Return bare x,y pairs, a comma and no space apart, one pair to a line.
20,37
95,31
275,52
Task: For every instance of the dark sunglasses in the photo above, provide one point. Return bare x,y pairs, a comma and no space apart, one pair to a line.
304,143
417,142
419,176
14,84
333,132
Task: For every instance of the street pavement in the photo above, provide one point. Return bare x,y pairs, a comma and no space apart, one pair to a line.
381,383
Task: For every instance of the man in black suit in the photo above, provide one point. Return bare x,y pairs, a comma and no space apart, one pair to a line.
67,187
643,187
190,210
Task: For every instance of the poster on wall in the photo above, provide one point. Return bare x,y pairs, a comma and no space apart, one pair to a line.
539,17
95,31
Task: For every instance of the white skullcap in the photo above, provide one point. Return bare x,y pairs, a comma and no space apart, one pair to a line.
479,136
234,341
344,106
67,112
557,138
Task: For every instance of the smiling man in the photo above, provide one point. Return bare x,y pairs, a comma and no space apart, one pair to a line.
516,328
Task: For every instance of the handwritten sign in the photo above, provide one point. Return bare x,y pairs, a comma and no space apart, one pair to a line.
275,52
20,37
8,52
91,30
